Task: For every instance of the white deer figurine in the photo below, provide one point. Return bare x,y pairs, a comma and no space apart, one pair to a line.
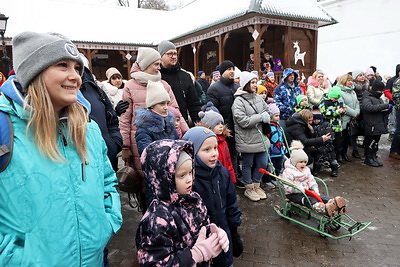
297,54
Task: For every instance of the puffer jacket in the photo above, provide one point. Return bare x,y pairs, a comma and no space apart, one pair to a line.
285,95
315,91
135,93
172,222
221,94
152,127
297,177
330,109
246,110
351,103
113,93
374,114
55,213
219,195
278,147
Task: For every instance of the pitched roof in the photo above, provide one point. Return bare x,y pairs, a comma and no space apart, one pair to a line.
99,23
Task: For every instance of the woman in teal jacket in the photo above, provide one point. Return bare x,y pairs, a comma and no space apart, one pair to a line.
58,201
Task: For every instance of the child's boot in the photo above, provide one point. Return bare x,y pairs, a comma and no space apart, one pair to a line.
334,170
316,168
259,191
250,193
331,208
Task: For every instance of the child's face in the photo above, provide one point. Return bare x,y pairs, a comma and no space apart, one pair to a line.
184,178
301,165
177,123
272,78
263,95
276,117
161,108
334,99
316,121
304,102
208,151
219,128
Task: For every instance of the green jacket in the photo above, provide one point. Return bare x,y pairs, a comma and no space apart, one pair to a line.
51,213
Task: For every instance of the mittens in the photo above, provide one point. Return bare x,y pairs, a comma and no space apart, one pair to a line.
223,237
206,248
237,244
265,117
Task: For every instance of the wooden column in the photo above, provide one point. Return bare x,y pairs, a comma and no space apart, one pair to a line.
257,43
128,61
221,40
89,55
196,56
286,44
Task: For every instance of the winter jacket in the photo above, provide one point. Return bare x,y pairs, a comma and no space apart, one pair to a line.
55,213
135,94
389,83
277,148
103,113
325,152
219,195
297,177
351,103
171,224
152,127
247,109
285,94
374,114
204,84
270,87
330,109
221,95
113,93
184,91
315,91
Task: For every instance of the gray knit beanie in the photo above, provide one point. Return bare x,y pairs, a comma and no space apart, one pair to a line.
210,118
146,56
34,52
164,46
355,73
156,93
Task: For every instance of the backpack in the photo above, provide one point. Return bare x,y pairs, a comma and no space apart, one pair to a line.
6,140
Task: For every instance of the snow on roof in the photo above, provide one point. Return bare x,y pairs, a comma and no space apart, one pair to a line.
105,23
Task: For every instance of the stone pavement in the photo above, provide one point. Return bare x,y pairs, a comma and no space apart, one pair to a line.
269,240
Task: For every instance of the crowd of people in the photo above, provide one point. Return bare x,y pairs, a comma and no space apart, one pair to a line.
191,142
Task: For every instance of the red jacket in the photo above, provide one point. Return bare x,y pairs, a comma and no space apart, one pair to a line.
225,157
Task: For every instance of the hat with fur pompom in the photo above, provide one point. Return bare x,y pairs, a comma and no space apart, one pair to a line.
210,118
297,153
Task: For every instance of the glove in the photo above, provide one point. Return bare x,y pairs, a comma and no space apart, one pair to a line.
126,154
315,189
205,248
300,188
270,100
390,107
121,107
222,236
237,243
265,117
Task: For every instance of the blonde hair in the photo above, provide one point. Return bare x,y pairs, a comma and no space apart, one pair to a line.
314,75
344,78
44,122
307,114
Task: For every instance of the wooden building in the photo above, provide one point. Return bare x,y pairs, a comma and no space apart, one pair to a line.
205,32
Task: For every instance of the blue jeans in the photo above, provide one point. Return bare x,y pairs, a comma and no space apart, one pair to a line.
259,160
396,138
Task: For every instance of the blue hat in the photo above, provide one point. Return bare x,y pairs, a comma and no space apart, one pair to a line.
200,73
197,135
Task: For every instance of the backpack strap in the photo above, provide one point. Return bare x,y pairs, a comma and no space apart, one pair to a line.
6,140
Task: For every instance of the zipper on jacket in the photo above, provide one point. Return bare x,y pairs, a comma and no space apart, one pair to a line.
219,193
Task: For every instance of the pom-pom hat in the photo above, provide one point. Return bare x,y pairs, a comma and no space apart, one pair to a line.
210,118
297,153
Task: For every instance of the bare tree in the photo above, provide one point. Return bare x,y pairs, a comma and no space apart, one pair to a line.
148,4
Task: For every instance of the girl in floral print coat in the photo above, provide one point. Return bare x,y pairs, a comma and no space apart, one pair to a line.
173,231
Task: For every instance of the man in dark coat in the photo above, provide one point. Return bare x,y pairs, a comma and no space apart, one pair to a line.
221,95
180,81
203,81
103,113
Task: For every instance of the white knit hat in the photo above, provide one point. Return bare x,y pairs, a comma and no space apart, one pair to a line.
34,52
246,77
146,56
156,93
297,153
112,71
